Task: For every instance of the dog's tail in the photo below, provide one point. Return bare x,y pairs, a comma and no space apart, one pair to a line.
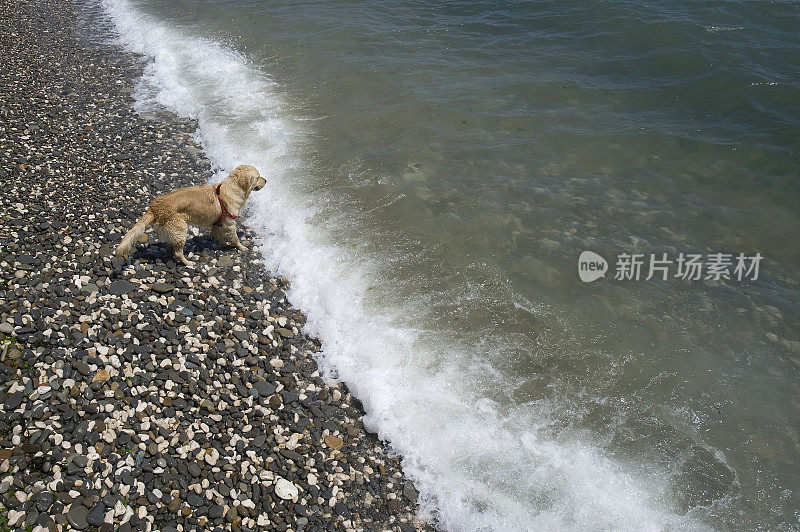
130,238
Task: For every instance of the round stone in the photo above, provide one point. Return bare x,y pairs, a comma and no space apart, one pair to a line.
77,516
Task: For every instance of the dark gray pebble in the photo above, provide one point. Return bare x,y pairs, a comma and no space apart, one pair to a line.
163,288
13,401
121,286
77,516
95,517
264,388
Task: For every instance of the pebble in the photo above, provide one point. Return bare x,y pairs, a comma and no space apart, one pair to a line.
211,457
15,517
101,376
286,333
264,388
285,489
121,286
175,505
77,516
13,401
194,469
96,516
163,288
334,442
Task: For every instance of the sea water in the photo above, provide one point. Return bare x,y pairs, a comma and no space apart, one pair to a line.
435,169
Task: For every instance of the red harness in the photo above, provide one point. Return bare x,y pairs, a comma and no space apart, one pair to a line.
223,207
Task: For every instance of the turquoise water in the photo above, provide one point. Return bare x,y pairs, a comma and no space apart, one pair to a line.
435,170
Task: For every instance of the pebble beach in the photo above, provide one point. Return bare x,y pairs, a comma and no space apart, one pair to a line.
155,396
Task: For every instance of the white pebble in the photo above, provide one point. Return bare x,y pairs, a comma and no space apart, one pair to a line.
286,490
212,455
14,516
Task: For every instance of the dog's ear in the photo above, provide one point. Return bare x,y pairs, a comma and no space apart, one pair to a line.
244,176
240,177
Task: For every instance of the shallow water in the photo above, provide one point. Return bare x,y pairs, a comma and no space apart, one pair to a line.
435,170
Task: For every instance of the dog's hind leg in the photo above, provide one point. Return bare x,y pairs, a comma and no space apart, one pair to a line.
175,233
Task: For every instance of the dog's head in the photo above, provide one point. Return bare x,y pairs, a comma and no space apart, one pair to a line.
247,178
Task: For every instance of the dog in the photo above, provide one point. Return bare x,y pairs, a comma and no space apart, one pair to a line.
206,206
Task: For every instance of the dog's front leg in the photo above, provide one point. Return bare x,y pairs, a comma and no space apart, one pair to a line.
235,238
226,234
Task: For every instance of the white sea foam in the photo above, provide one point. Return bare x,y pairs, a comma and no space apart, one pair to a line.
715,29
478,465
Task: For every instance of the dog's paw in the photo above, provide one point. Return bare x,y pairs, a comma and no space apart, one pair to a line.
241,247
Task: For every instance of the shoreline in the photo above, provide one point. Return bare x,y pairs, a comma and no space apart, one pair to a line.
165,397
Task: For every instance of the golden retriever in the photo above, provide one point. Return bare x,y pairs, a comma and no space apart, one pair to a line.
205,206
